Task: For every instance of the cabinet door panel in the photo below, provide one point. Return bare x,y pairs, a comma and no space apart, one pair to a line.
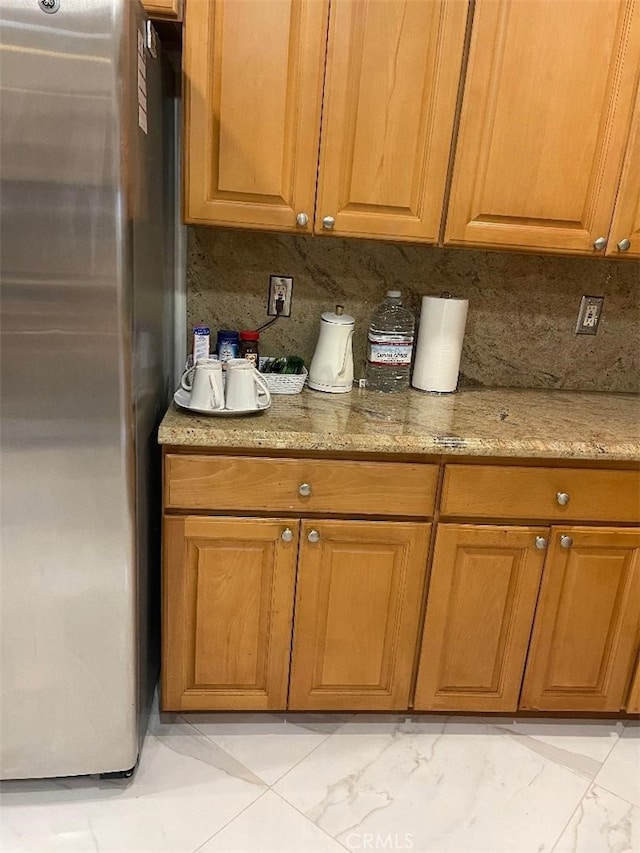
253,86
227,612
482,597
358,603
390,94
633,699
626,217
546,111
164,9
585,636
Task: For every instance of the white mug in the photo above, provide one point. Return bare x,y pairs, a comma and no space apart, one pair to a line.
246,388
189,371
204,380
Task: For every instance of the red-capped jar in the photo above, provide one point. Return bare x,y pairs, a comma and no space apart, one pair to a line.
249,346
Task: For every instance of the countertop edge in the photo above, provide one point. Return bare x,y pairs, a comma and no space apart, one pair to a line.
447,446
496,423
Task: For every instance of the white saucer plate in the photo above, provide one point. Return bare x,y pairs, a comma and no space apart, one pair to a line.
182,399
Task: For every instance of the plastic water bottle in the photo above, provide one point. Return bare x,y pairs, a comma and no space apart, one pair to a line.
390,345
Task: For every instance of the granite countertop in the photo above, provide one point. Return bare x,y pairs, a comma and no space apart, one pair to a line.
474,422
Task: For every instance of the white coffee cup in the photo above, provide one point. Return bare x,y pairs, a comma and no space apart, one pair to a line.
246,388
189,371
204,380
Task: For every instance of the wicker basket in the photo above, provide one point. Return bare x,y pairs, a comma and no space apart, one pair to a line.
284,383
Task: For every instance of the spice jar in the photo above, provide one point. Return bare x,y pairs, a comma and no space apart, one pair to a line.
249,346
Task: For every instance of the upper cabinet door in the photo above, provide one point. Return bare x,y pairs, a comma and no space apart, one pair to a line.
624,241
253,75
163,9
390,94
545,118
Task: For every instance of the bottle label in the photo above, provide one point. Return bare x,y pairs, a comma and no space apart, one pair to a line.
227,350
389,349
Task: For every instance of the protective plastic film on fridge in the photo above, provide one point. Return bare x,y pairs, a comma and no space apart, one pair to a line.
86,353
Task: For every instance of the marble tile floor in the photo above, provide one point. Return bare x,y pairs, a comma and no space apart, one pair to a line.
250,783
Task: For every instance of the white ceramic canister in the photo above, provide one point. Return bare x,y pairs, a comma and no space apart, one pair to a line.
332,363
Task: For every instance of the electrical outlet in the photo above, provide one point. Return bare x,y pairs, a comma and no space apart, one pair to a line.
589,315
280,287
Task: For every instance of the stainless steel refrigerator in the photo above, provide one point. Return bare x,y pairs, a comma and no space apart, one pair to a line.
86,360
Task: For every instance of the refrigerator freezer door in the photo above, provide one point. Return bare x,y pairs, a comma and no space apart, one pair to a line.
68,583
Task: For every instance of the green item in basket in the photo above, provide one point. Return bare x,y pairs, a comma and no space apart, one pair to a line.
291,364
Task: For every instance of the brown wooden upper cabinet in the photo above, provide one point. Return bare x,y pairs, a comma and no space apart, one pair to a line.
548,101
389,101
624,240
254,74
166,10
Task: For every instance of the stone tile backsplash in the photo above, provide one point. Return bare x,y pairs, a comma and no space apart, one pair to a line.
522,308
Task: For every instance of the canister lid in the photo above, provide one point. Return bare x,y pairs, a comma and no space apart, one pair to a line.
338,317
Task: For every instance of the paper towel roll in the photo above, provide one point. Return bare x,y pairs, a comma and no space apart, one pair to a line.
442,323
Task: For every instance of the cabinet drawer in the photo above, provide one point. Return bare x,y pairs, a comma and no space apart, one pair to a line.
492,491
264,485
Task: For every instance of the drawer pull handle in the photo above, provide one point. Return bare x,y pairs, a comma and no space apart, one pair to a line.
313,536
304,490
566,541
562,498
287,535
541,543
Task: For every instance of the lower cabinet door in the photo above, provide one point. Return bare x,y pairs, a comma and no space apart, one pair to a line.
633,699
228,589
482,598
586,630
358,604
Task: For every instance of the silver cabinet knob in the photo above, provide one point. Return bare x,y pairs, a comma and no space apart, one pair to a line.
566,541
304,490
313,536
287,534
562,498
541,543
302,219
624,245
328,222
600,243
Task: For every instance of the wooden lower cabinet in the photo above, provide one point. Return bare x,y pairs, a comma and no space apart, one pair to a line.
358,603
633,699
228,590
482,597
585,637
